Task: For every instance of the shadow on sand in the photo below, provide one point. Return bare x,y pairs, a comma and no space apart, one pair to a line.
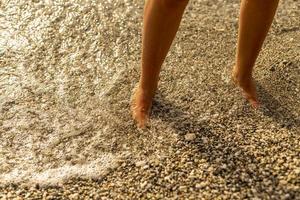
283,76
240,162
272,108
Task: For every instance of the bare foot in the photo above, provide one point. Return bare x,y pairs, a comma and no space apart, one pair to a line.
141,103
248,87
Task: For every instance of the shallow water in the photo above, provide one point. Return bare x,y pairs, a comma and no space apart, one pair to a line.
66,75
60,64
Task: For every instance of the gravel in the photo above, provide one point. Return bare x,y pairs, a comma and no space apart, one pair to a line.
65,87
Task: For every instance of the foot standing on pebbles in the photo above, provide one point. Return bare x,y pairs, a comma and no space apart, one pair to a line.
161,22
255,20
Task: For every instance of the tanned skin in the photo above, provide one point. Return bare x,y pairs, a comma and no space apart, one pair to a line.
161,22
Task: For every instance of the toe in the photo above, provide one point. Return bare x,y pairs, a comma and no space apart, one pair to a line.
141,120
139,116
248,88
254,103
252,98
139,109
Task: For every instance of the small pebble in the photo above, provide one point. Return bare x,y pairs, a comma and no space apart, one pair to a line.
143,184
140,163
190,137
201,185
74,196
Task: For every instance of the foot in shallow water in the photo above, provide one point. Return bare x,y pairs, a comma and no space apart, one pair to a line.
247,85
141,103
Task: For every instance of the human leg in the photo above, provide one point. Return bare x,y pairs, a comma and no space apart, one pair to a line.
256,17
161,22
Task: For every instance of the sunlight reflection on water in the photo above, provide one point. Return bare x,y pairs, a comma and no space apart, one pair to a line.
60,62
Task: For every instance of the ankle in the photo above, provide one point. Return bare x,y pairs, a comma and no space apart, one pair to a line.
240,75
146,90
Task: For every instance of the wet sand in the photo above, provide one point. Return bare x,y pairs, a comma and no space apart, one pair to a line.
66,75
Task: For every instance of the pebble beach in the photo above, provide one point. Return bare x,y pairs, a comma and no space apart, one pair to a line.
67,71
